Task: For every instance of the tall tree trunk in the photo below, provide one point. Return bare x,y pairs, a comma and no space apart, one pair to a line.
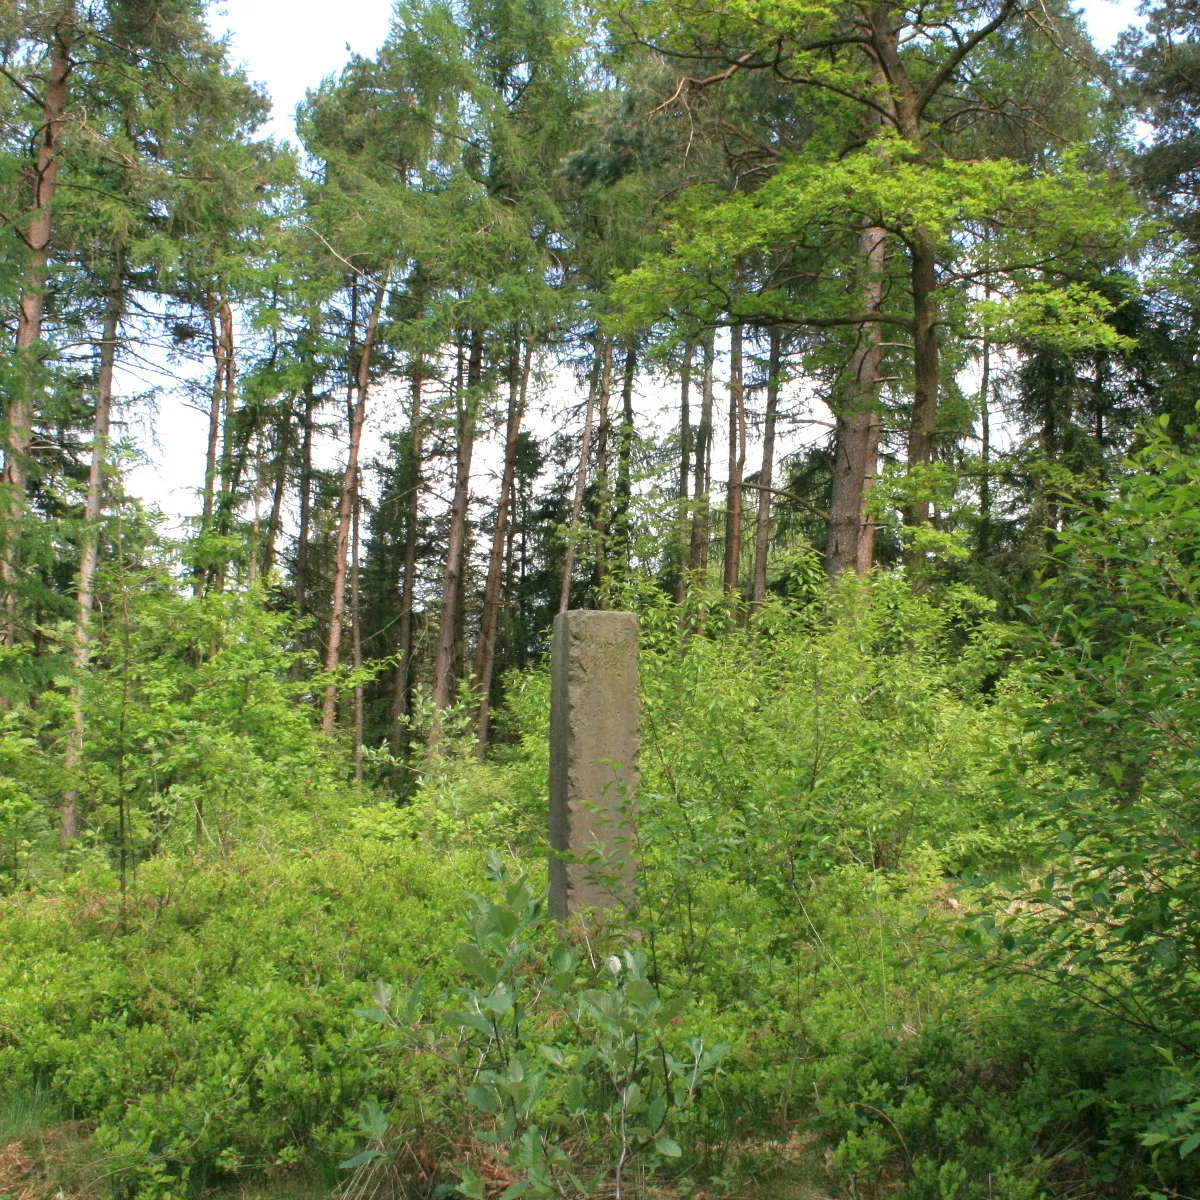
623,492
762,532
356,630
456,550
90,543
14,483
926,362
985,451
737,463
600,368
255,526
602,493
217,330
485,649
402,680
303,533
704,431
346,512
685,466
859,424
228,467
282,463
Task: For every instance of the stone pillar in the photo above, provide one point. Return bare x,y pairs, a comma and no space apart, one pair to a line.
593,761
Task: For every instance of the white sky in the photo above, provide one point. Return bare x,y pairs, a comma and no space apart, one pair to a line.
289,46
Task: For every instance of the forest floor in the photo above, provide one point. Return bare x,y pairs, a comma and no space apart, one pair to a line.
42,1158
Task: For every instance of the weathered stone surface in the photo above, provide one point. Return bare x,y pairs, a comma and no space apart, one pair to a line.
593,761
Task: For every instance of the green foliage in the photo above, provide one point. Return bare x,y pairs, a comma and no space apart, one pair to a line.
203,1019
566,1066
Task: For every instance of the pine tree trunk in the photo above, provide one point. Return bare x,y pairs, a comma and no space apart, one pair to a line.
14,483
762,533
90,539
346,512
859,424
303,533
356,630
402,680
700,510
985,452
485,650
926,362
602,494
685,466
456,551
585,449
737,464
623,493
228,470
282,463
216,399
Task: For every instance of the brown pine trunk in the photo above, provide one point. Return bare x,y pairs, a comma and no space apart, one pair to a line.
90,538
762,532
30,318
737,464
985,451
275,521
603,435
685,466
485,650
216,399
302,536
337,612
623,492
585,450
926,362
228,468
700,513
859,424
402,680
456,550
356,631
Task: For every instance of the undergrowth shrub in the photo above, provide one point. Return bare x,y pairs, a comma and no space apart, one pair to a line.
204,1020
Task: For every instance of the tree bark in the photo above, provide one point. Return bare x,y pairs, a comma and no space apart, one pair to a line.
456,551
926,362
302,536
402,680
221,355
356,630
685,466
275,521
985,451
229,470
737,463
599,370
90,539
859,424
700,512
623,492
602,497
32,312
346,512
762,533
485,649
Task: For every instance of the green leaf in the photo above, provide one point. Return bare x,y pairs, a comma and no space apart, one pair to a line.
668,1147
471,1185
483,1098
359,1160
